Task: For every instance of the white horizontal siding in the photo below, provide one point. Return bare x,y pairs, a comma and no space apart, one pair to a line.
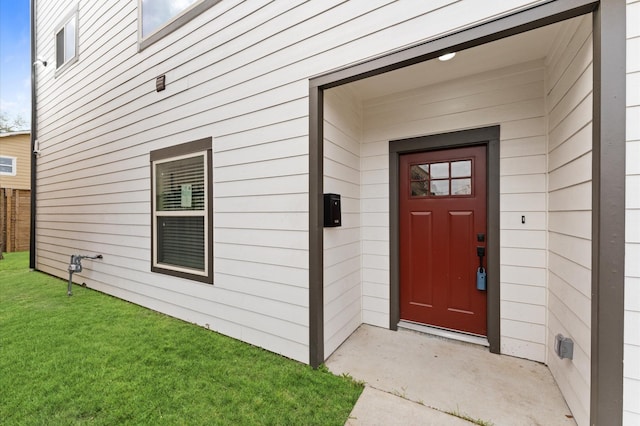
631,382
238,73
513,98
569,105
342,251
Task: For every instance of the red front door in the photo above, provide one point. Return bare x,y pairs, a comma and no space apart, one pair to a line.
442,222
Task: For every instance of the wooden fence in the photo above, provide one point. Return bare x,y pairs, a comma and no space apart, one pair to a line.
15,214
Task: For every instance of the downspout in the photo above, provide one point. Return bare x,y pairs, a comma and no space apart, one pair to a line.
34,135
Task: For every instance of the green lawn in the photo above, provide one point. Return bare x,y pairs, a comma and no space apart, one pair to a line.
94,359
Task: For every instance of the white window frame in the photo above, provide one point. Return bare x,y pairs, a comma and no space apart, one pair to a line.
172,24
71,16
205,275
13,171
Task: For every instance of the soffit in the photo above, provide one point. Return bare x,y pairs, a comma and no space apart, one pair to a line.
524,47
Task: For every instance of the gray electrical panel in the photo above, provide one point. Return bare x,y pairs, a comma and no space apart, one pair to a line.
563,347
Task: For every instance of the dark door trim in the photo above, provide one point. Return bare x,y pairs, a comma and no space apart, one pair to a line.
608,212
316,227
608,216
489,136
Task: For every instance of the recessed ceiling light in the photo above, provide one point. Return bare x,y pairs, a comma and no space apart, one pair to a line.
447,56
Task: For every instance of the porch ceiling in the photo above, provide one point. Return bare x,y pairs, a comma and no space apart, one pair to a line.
520,48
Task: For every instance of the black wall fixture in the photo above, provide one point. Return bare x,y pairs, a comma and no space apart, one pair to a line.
332,211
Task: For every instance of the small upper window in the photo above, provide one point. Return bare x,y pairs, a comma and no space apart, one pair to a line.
161,17
8,166
67,40
156,13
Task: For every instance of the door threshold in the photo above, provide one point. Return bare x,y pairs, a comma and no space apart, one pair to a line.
445,333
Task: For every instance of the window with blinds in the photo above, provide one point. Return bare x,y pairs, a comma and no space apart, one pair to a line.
181,214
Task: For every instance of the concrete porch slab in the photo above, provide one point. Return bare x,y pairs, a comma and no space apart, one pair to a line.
376,407
425,376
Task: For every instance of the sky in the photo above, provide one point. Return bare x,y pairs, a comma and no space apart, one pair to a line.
15,59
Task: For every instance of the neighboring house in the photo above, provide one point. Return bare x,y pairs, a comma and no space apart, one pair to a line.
192,149
15,190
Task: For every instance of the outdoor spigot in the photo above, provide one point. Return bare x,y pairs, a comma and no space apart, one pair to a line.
75,265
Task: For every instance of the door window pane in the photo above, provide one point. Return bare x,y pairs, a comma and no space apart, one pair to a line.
440,187
420,172
419,189
460,186
461,168
439,170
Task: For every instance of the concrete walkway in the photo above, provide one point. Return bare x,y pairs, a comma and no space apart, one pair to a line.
412,378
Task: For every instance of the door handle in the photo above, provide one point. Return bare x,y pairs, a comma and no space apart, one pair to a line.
481,275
